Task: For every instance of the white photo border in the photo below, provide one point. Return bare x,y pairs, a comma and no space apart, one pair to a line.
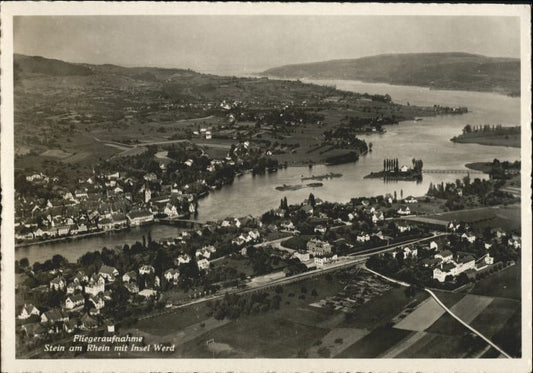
11,364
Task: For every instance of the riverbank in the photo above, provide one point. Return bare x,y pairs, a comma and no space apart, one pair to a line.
69,238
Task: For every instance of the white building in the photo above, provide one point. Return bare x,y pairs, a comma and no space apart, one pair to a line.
203,264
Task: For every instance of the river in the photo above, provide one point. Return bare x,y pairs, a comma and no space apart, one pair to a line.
428,139
73,249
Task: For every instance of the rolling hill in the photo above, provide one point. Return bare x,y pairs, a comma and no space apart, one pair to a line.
461,71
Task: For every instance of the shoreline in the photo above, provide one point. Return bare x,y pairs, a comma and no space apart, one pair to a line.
511,95
486,141
70,238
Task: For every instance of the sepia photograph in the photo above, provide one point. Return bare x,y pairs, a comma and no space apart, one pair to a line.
197,185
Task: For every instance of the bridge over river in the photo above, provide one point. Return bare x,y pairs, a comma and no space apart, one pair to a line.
443,171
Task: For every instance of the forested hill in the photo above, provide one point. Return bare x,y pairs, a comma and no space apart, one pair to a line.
460,71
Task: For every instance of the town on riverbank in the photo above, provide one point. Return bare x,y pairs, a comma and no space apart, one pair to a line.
330,279
247,269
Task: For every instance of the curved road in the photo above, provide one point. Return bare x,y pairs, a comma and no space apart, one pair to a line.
445,309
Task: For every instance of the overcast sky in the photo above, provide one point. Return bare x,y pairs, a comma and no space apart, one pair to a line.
254,43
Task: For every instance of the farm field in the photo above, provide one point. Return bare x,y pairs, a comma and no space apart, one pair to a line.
403,345
381,310
265,336
505,284
443,346
495,316
509,338
174,321
449,298
467,309
422,317
375,343
336,341
505,217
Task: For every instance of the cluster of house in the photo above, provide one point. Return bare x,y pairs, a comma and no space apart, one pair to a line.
114,200
87,209
85,297
202,257
446,265
244,238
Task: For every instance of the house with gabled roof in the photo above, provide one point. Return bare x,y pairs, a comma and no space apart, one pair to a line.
58,283
140,217
146,269
72,287
203,264
97,301
80,278
54,315
108,273
27,311
148,293
444,255
132,287
88,322
129,276
172,275
74,301
71,325
96,284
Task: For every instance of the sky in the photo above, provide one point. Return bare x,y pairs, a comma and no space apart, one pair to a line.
255,43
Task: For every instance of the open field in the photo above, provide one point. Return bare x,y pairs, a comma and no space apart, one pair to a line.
470,306
175,321
422,207
467,309
444,346
509,338
259,336
449,298
403,345
241,265
379,311
336,341
505,284
375,343
506,217
55,153
422,317
495,316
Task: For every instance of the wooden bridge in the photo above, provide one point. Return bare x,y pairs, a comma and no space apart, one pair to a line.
452,172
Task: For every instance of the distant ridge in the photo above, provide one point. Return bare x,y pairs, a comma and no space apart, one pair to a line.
25,65
461,71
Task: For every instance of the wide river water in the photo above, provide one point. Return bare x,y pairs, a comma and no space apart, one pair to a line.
427,139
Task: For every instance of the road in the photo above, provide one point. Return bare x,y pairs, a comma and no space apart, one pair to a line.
343,262
277,244
445,309
126,147
466,325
